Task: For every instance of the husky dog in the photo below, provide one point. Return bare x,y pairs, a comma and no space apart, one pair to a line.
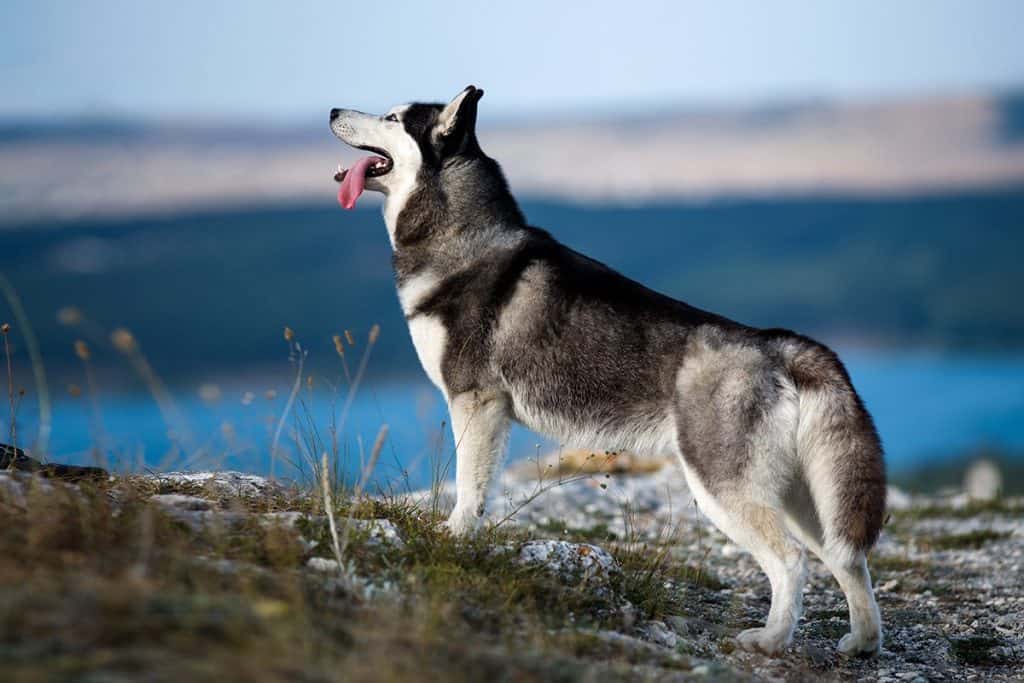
774,441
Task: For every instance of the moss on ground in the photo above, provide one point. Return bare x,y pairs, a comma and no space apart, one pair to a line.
895,563
975,650
997,507
965,541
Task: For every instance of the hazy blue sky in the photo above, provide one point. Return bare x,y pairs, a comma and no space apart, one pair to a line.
277,59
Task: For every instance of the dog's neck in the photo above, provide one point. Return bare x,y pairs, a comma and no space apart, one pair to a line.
452,219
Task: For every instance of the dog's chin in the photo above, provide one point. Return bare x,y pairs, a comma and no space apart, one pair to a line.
377,184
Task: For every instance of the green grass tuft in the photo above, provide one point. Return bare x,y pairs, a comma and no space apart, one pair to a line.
975,650
967,541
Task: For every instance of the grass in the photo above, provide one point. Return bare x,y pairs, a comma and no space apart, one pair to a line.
99,580
895,563
558,529
103,582
975,650
998,506
966,541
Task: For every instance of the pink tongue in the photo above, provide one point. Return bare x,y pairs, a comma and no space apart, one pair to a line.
354,182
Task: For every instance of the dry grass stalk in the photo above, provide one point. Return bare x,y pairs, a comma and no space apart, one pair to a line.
124,341
340,544
378,446
42,444
5,329
84,354
339,348
357,380
299,355
543,485
325,487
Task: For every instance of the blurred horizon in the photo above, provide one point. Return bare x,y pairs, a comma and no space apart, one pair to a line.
899,146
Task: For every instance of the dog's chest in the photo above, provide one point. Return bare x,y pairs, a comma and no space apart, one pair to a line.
429,335
430,339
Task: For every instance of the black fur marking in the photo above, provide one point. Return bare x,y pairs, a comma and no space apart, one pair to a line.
419,120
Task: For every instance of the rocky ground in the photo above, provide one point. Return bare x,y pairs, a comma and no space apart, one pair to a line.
948,572
668,590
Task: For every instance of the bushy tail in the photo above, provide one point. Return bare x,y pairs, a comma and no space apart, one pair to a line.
839,448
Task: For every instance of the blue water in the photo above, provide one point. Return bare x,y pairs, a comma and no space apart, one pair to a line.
926,407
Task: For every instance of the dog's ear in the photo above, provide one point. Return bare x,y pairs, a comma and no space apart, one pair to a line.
457,121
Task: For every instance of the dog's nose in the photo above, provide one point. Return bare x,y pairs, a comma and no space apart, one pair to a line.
334,113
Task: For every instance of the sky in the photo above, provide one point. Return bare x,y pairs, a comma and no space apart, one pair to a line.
269,60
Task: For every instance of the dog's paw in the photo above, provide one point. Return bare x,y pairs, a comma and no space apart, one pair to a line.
859,645
462,523
764,640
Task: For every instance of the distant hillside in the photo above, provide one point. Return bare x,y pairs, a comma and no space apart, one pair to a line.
211,291
897,147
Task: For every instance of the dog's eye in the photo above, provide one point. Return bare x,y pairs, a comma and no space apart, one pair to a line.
391,117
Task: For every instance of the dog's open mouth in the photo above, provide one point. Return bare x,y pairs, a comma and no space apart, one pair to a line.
353,180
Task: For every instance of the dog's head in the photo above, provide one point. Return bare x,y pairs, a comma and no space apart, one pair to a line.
406,142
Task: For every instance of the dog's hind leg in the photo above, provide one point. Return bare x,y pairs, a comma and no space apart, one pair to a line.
761,531
736,422
865,636
480,426
843,502
850,569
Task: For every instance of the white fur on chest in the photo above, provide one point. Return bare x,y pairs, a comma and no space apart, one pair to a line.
429,335
415,290
430,338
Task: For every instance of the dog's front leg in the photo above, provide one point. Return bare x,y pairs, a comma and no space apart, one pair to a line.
480,425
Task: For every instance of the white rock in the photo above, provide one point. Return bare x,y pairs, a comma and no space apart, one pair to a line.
570,560
731,550
12,489
376,531
287,519
627,642
323,564
379,531
983,481
895,499
658,633
200,520
228,482
180,502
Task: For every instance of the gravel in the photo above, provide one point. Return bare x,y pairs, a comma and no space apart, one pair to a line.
950,582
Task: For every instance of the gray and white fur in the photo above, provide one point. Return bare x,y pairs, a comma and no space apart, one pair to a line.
511,325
